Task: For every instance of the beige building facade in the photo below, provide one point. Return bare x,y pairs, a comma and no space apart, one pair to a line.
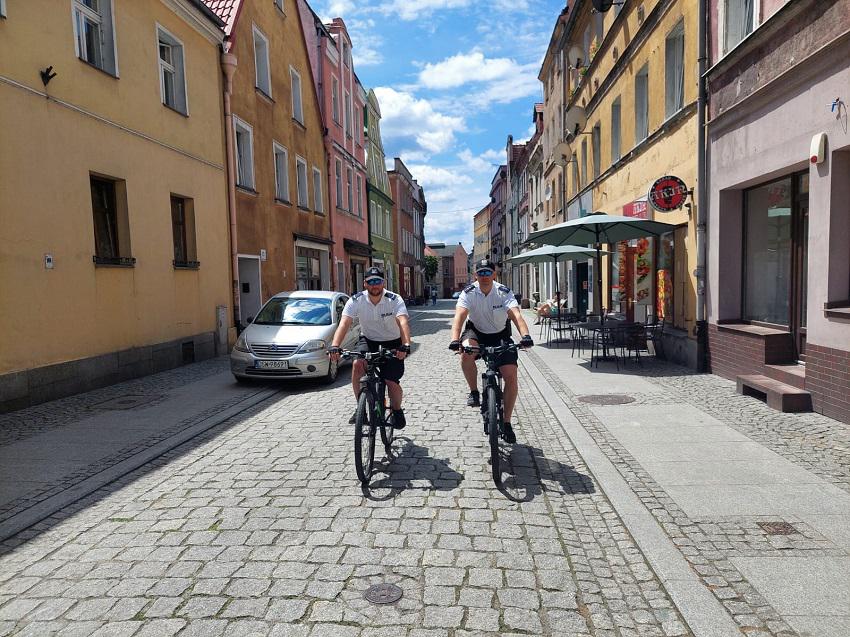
114,250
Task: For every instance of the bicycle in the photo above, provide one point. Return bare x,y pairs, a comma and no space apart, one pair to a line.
491,400
372,412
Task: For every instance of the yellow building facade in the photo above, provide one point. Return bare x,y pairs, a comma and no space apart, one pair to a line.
114,254
630,118
481,234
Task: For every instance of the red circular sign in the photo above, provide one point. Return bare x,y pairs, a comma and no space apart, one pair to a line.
668,193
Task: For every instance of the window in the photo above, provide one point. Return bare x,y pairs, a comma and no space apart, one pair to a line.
301,180
335,98
674,70
2,8
359,196
739,22
345,54
596,140
576,184
111,226
183,232
584,161
349,192
338,184
347,114
318,199
642,105
93,35
376,220
615,130
281,173
263,80
279,4
297,106
172,77
244,154
308,268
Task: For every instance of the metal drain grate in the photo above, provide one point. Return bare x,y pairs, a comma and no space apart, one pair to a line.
777,528
607,399
125,402
383,593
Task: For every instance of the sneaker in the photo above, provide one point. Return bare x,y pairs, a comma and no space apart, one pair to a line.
397,419
508,434
474,399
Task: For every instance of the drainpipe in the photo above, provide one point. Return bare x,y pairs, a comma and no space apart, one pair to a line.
228,67
326,141
702,194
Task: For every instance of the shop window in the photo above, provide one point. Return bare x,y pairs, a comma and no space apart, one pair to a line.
93,36
308,269
110,220
183,232
665,280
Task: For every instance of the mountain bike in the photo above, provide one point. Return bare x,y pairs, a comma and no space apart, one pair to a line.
491,400
373,412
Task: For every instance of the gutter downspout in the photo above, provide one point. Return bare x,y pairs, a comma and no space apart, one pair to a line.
326,142
702,194
228,67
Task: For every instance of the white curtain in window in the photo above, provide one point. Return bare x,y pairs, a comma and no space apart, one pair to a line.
739,21
675,70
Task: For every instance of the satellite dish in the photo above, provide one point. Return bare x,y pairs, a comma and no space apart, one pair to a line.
602,5
561,153
575,56
574,121
507,249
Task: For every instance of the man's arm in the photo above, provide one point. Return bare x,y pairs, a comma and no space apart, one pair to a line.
519,321
457,325
339,335
404,326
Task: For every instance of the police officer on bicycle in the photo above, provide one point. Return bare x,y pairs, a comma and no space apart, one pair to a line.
383,324
488,308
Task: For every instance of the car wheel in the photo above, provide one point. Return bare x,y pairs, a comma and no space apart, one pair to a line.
333,372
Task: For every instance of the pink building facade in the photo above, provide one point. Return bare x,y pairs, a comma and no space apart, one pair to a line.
343,101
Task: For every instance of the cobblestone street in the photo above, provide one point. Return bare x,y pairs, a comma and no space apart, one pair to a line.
258,525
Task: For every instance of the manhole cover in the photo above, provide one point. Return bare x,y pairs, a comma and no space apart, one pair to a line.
777,528
125,402
383,593
607,399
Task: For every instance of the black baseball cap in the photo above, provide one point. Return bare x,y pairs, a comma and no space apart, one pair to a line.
485,264
373,272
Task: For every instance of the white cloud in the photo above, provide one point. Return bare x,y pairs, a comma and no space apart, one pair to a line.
406,118
430,176
485,162
366,41
415,9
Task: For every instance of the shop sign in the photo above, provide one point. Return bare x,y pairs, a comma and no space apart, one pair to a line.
668,193
637,209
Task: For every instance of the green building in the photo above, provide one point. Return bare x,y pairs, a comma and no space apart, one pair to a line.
380,196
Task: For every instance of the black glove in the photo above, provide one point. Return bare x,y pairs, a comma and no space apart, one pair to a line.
526,341
404,348
454,346
333,349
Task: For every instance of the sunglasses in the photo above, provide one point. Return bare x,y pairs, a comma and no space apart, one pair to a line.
375,281
484,273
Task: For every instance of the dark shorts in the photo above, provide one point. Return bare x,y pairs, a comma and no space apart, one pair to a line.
392,370
490,340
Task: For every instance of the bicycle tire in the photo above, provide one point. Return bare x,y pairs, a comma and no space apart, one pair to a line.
364,432
387,431
494,430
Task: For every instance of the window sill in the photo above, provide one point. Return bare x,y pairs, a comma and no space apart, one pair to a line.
837,309
283,202
187,265
97,68
176,110
303,208
299,123
263,94
319,213
246,189
114,262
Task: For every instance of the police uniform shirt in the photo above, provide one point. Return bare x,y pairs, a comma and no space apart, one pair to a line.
488,312
377,322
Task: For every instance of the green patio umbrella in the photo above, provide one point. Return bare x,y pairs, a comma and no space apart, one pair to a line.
556,254
599,228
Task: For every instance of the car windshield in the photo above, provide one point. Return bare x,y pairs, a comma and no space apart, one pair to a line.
292,311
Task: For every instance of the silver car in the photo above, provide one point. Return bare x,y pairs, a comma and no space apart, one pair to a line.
289,337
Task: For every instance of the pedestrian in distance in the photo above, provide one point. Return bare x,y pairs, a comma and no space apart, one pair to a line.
483,316
383,324
433,296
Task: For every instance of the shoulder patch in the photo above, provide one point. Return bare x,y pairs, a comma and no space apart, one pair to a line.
357,296
469,288
390,295
504,288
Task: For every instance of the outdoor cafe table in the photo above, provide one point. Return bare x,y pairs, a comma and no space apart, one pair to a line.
595,326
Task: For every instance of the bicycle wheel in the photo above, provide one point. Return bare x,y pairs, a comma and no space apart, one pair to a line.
387,431
364,437
493,429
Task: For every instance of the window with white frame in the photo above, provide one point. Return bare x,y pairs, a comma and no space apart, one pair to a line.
94,38
642,105
262,70
335,98
244,135
388,222
376,222
596,141
281,173
615,130
297,105
301,181
279,4
338,184
359,196
739,22
318,199
172,74
2,8
349,189
583,162
674,70
347,115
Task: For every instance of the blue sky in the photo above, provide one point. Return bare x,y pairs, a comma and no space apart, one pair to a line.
454,78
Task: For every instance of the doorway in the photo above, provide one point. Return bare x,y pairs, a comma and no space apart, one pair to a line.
250,297
582,288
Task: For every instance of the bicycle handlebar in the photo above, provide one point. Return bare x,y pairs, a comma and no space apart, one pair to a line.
381,354
491,351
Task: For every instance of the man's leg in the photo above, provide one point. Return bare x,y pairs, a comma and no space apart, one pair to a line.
509,390
358,370
467,364
395,394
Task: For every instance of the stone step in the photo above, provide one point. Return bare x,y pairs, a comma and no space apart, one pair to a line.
793,374
778,395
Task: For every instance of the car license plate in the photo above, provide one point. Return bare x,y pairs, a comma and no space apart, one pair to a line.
272,364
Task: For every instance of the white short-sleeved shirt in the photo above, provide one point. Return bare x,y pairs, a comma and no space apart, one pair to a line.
377,322
488,312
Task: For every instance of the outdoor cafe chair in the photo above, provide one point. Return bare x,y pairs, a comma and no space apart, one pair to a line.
633,342
604,344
